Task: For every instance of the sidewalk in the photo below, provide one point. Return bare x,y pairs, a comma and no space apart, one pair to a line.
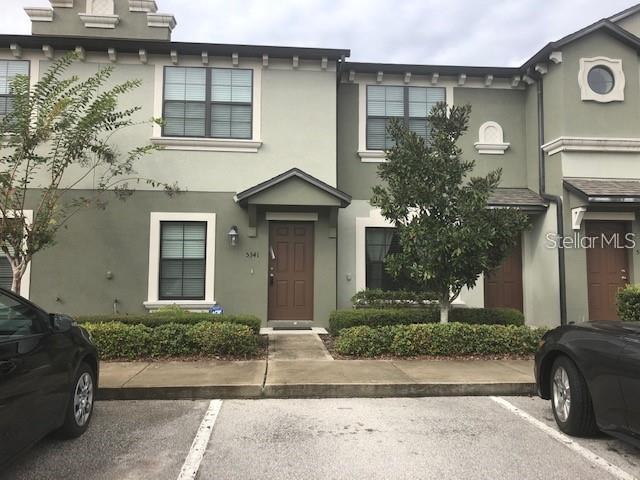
275,378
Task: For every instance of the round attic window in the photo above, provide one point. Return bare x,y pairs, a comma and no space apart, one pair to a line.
600,80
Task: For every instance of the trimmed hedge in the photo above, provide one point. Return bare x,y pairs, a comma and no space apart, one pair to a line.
628,302
453,339
377,298
164,317
341,319
117,340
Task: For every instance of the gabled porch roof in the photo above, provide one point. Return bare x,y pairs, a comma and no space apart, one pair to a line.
293,188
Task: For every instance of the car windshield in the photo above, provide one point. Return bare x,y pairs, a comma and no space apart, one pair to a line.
17,319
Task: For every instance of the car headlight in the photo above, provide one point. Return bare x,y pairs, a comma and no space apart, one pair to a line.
87,335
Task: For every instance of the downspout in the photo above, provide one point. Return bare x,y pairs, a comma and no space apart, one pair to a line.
338,82
557,200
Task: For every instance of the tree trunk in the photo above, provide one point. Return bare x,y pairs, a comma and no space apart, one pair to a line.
18,272
445,306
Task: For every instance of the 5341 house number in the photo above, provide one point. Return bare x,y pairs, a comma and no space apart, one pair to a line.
252,255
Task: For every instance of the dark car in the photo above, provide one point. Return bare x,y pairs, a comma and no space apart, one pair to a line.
48,375
591,374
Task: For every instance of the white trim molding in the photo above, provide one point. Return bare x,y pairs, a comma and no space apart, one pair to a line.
592,144
99,21
61,3
39,14
292,216
25,284
615,66
148,6
491,139
162,20
579,214
207,144
153,302
372,156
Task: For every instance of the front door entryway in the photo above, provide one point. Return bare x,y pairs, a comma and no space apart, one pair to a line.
290,279
503,286
607,267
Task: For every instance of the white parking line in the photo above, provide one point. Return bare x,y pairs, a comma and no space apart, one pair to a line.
566,441
199,446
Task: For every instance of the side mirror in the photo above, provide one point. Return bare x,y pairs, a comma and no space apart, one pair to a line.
60,323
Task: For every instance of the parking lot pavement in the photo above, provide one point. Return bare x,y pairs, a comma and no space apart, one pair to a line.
413,438
127,440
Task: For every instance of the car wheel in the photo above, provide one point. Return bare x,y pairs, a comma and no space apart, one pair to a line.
80,405
570,399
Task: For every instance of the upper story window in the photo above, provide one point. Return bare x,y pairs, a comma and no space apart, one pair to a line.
9,69
409,104
208,102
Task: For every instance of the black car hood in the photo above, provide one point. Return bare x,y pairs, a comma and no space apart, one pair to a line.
613,327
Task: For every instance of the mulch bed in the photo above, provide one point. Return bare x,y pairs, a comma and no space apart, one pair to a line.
329,341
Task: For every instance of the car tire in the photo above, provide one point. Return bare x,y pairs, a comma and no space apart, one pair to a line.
570,399
80,404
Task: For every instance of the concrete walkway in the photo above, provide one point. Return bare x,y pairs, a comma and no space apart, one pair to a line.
276,378
288,346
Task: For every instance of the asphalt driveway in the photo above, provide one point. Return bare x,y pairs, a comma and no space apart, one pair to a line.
412,438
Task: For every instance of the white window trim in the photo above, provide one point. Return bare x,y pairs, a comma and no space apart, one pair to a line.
375,219
251,145
379,156
153,302
615,65
25,284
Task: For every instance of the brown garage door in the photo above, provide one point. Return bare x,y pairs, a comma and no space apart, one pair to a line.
291,271
607,268
503,286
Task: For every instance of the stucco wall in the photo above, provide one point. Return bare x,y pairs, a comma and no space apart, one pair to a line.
297,123
117,240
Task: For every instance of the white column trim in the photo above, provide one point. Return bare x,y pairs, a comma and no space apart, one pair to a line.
153,301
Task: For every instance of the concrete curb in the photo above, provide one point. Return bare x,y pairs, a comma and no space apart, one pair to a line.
367,390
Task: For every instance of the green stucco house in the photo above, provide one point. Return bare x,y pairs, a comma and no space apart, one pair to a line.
277,149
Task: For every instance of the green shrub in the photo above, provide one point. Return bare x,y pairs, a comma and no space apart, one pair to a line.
487,316
377,298
172,340
365,341
172,315
628,302
224,339
378,317
453,339
118,340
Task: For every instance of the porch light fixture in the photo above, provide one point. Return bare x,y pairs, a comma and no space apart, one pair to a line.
233,235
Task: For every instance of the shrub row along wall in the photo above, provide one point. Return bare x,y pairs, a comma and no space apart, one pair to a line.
164,317
371,317
628,302
453,339
118,340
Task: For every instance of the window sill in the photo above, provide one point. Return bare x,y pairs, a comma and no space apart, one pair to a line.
372,156
207,144
491,148
193,305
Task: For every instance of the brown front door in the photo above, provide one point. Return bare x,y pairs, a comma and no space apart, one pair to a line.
607,267
503,286
291,271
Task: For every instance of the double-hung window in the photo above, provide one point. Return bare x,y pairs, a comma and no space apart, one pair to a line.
208,102
9,69
410,105
183,247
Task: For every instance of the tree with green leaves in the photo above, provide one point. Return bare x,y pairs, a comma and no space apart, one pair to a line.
56,137
448,234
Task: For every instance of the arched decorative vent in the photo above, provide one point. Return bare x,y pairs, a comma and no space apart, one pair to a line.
491,139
